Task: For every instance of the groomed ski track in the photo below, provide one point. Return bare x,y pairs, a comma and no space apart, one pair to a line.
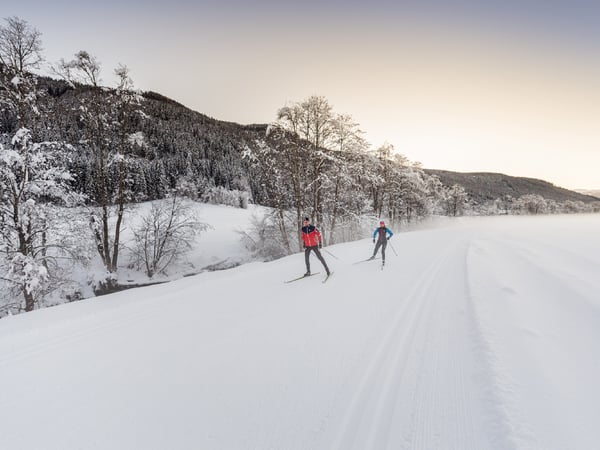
477,336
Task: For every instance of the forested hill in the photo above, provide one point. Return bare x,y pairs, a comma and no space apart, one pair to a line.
171,146
485,186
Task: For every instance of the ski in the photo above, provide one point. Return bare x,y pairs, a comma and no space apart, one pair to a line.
365,260
327,277
301,278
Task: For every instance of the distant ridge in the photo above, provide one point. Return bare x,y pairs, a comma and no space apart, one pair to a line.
592,192
486,186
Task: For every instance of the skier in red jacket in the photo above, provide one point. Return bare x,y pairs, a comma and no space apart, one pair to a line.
312,242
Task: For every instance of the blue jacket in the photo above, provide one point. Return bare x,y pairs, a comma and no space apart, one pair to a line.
383,231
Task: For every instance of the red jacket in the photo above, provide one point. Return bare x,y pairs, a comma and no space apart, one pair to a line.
311,236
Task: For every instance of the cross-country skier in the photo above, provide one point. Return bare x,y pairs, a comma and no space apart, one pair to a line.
312,242
381,235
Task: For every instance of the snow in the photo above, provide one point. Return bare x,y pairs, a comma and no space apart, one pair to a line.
483,333
138,138
21,137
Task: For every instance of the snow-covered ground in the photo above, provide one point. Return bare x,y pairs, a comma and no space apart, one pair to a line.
481,334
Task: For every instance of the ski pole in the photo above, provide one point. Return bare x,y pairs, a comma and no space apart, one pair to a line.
325,250
393,248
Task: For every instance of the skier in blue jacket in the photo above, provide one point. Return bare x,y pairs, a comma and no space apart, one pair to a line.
381,235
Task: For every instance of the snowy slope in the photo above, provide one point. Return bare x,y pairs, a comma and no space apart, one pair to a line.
484,334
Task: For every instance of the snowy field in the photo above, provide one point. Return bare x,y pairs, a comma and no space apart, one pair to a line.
481,334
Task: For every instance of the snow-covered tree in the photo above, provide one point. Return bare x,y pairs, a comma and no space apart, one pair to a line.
455,200
32,174
83,68
531,204
166,233
20,52
410,197
312,122
505,204
278,170
346,135
107,127
571,207
343,203
435,194
383,174
31,178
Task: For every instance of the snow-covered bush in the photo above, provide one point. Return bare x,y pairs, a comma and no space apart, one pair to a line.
219,195
271,236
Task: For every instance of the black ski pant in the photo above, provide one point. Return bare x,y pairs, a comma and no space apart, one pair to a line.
383,245
318,253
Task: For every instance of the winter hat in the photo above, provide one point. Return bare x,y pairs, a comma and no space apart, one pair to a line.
382,223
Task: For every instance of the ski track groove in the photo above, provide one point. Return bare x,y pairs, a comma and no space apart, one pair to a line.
421,420
441,417
401,333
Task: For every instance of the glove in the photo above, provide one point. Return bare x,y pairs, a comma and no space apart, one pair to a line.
373,241
304,246
387,239
320,245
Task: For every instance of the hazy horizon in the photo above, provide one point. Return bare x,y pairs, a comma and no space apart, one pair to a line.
511,87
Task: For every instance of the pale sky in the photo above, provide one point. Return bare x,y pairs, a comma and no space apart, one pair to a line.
510,86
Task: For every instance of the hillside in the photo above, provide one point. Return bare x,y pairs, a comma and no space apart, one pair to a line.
479,335
176,142
484,186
